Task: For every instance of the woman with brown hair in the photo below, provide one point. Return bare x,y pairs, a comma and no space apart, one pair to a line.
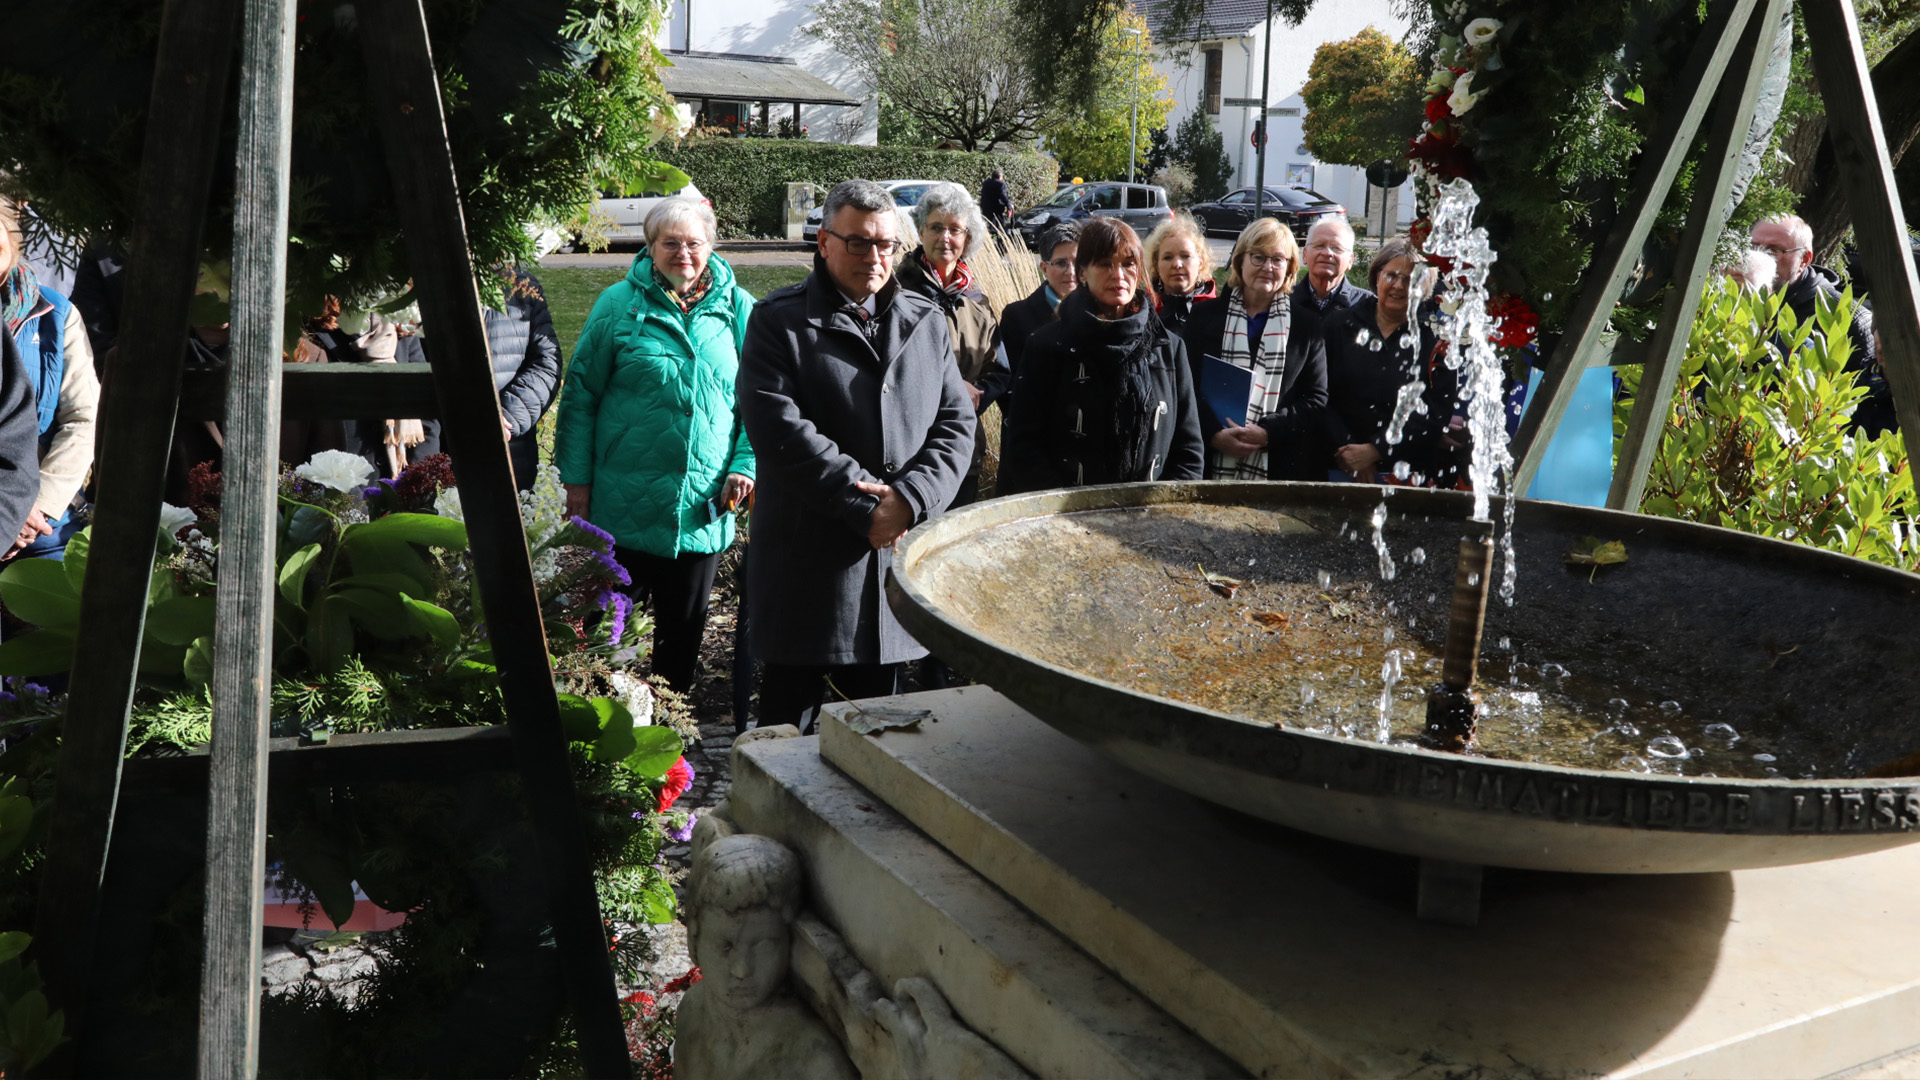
1104,394
1250,328
1180,268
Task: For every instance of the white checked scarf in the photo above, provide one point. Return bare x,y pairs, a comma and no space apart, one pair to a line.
1267,359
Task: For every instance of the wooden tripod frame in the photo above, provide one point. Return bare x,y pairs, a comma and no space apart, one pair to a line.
183,128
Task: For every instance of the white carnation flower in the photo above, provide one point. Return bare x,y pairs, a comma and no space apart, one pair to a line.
174,518
1481,32
336,470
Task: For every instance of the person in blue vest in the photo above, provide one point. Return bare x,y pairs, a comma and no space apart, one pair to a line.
57,359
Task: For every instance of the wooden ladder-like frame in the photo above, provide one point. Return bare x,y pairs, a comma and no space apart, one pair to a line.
183,129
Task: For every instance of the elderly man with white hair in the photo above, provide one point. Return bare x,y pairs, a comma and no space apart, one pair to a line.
649,444
1325,289
951,228
1809,288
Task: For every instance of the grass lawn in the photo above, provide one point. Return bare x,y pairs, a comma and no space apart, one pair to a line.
571,291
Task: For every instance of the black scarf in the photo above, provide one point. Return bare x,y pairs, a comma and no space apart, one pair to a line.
1124,372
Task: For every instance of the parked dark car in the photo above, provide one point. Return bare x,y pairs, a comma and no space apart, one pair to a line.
1298,207
1142,206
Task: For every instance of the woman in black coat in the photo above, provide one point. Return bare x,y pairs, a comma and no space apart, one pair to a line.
1374,348
1250,328
1104,394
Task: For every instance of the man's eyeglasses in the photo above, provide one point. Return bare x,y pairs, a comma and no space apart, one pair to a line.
675,247
1775,252
860,245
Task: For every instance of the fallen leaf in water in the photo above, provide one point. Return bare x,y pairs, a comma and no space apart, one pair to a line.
1220,583
1340,609
1272,619
1595,552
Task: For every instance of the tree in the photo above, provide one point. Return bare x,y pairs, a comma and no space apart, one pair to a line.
1364,97
1198,146
1090,136
954,67
1890,29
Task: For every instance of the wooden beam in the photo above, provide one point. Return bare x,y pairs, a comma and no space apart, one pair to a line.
361,758
136,428
409,114
1693,262
1879,226
249,537
1660,161
325,392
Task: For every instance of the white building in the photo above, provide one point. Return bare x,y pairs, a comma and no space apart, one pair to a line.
755,31
1218,69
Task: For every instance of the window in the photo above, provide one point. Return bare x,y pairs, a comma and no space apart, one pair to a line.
1105,198
909,194
1213,81
1139,198
1237,198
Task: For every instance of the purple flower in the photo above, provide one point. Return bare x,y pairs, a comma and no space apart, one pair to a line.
682,834
619,606
613,568
595,531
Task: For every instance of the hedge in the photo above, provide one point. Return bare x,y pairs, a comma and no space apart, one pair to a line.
747,178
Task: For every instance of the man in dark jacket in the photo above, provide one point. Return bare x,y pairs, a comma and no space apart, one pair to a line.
526,370
862,428
1020,319
1809,288
994,201
1325,288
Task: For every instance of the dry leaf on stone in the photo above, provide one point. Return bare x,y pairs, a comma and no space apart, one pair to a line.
865,720
1273,620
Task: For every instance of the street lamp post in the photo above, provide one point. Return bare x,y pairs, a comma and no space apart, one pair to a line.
1133,125
1260,175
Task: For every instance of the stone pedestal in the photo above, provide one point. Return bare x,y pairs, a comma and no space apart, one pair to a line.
1292,956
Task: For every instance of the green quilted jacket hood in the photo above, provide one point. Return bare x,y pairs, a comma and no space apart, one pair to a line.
647,416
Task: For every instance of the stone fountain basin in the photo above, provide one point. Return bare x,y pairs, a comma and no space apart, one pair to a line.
1810,654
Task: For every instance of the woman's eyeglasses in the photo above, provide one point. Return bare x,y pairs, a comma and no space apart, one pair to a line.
860,245
675,247
1259,260
1062,265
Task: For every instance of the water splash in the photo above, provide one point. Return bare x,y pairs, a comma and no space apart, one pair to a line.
1380,542
1390,673
1471,351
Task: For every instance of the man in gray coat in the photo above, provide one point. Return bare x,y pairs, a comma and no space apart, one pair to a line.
862,429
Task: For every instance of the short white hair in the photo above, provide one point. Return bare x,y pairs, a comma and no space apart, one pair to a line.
1332,221
952,199
681,210
1796,227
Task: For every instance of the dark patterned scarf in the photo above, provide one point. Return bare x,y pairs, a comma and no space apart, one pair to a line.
19,296
956,287
694,295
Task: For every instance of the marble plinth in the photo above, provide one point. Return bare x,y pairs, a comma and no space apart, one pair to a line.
907,908
1298,956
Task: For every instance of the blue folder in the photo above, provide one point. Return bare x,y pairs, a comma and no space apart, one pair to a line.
1225,388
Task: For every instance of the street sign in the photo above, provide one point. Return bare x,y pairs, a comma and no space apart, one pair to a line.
1387,173
1240,102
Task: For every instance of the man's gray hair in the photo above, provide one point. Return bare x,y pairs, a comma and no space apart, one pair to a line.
1796,226
681,211
952,199
863,195
1332,221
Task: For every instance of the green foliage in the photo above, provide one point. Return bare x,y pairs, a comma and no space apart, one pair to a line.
1363,98
953,67
1197,145
1762,444
1065,41
545,102
1091,135
747,178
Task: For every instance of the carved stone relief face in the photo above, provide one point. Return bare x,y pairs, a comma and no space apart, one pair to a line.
743,954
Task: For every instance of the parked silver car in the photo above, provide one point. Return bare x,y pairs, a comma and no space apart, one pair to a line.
627,214
1142,206
906,195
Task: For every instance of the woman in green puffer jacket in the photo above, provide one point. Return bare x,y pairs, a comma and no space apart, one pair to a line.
648,442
